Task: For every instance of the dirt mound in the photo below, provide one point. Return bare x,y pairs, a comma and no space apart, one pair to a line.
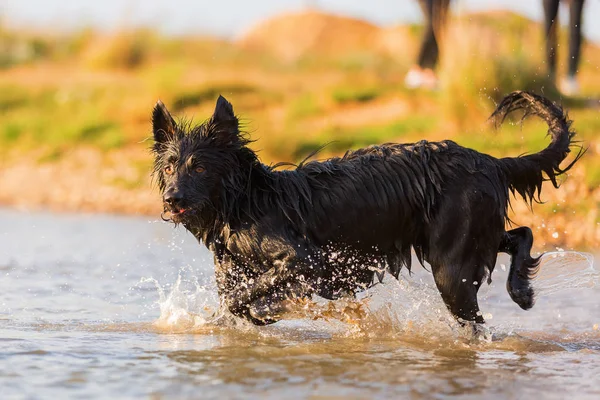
292,36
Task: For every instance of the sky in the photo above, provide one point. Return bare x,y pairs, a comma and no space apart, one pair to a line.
230,18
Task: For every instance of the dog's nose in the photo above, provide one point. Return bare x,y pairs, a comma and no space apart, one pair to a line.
172,197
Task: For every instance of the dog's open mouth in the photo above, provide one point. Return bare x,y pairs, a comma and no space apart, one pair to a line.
173,214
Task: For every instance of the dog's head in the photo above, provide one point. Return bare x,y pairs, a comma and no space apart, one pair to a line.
195,165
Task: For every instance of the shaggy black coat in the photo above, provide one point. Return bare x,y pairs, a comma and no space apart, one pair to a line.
333,228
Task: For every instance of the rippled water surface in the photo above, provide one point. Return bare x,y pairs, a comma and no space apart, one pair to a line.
117,307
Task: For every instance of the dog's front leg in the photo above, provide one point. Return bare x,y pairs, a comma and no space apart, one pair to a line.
239,299
273,307
268,288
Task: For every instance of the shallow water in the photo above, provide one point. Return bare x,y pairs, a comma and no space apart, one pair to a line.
119,307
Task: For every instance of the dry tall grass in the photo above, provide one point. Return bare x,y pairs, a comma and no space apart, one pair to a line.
482,62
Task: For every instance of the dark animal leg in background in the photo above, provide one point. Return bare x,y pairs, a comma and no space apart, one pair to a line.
523,267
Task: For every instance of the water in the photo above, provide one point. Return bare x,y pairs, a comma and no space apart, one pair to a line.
120,307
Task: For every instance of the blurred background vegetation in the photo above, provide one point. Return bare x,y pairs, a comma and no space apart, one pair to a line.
75,107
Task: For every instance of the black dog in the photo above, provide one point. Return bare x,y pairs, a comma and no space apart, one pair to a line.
332,228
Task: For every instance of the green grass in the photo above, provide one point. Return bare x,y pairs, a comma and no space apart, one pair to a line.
355,94
339,140
50,155
10,133
194,97
593,174
489,59
511,139
138,179
40,118
126,49
303,105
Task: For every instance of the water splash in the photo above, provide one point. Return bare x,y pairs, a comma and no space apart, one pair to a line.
409,307
186,304
562,270
392,308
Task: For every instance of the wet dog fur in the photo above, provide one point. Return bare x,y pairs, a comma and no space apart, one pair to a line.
333,228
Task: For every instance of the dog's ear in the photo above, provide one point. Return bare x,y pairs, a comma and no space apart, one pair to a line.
223,110
163,125
225,122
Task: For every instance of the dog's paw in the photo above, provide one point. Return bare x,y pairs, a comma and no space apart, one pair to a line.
265,312
524,297
481,334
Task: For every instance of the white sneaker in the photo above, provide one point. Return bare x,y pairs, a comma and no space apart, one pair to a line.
417,78
569,86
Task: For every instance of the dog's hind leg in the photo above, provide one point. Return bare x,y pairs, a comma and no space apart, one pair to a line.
517,242
458,287
463,246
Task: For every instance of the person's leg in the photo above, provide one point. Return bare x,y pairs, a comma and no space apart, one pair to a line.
569,85
574,35
550,29
422,75
429,49
435,12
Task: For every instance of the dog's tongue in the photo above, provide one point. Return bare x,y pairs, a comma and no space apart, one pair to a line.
181,210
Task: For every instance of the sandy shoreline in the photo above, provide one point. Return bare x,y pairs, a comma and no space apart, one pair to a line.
85,181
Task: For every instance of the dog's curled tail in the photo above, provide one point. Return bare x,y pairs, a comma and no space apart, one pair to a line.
525,173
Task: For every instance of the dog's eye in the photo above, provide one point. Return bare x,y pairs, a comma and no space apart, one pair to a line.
169,169
199,170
